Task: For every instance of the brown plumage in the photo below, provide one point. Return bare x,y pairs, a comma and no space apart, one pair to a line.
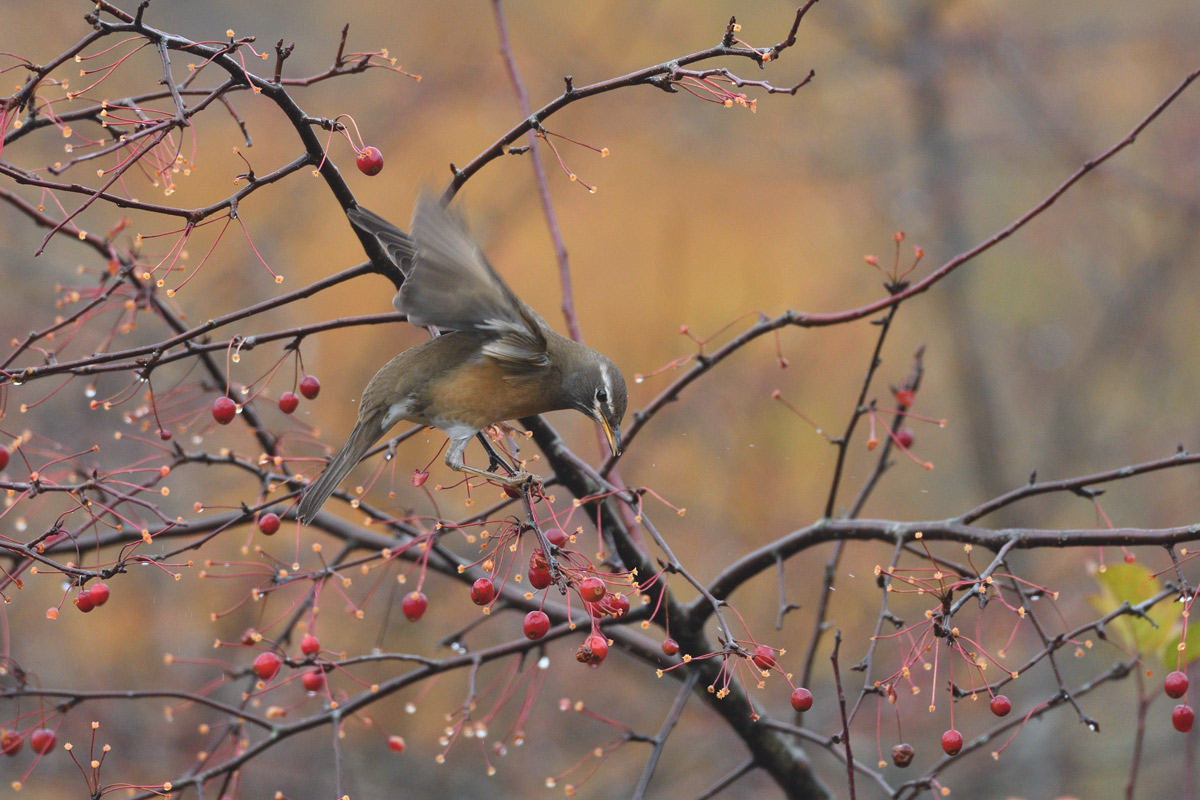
499,361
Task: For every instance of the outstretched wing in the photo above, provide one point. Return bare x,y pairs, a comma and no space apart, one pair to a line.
451,286
395,242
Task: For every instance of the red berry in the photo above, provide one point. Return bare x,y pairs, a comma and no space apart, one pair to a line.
482,592
1182,717
266,666
3,457
670,646
1130,558
224,410
10,743
165,435
513,492
42,741
802,699
1000,706
618,605
904,438
902,755
288,402
310,645
593,650
556,536
536,624
414,605
268,524
313,680
310,387
952,742
84,601
396,744
370,161
99,593
250,636
539,578
764,657
592,589
906,397
1176,684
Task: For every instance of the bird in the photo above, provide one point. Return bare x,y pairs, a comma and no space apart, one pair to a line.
495,359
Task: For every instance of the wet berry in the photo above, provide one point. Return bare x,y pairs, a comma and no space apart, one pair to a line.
1176,684
906,397
99,593
617,605
904,438
369,161
536,624
556,537
414,605
396,744
313,680
268,524
1182,717
952,742
266,666
670,646
802,699
224,410
482,592
310,645
3,457
902,755
1000,706
288,402
310,387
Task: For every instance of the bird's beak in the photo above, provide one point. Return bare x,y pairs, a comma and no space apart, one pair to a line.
612,434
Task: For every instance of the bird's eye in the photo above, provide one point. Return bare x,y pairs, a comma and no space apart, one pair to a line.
602,395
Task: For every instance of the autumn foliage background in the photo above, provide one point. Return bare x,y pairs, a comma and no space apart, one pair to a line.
1069,349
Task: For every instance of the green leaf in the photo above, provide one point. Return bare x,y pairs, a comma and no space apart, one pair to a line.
1134,584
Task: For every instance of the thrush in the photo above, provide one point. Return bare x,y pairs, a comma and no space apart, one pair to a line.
497,359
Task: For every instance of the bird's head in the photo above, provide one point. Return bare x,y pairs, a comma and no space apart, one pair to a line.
598,390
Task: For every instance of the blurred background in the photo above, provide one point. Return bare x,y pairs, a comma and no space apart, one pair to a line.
1069,349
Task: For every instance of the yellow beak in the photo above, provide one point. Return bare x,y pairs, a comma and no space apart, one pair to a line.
613,435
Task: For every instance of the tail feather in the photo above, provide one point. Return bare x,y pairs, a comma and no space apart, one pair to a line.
365,434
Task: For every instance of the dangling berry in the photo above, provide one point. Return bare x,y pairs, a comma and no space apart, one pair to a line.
396,744
288,402
370,161
764,657
268,524
906,397
902,755
482,592
593,650
310,645
3,457
617,604
1000,706
84,601
952,742
1182,717
10,743
313,680
556,536
99,593
42,741
310,387
904,438
266,666
414,605
539,577
536,624
1176,684
592,589
802,699
224,410
670,646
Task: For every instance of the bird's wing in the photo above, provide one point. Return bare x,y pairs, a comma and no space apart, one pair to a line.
452,286
395,242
